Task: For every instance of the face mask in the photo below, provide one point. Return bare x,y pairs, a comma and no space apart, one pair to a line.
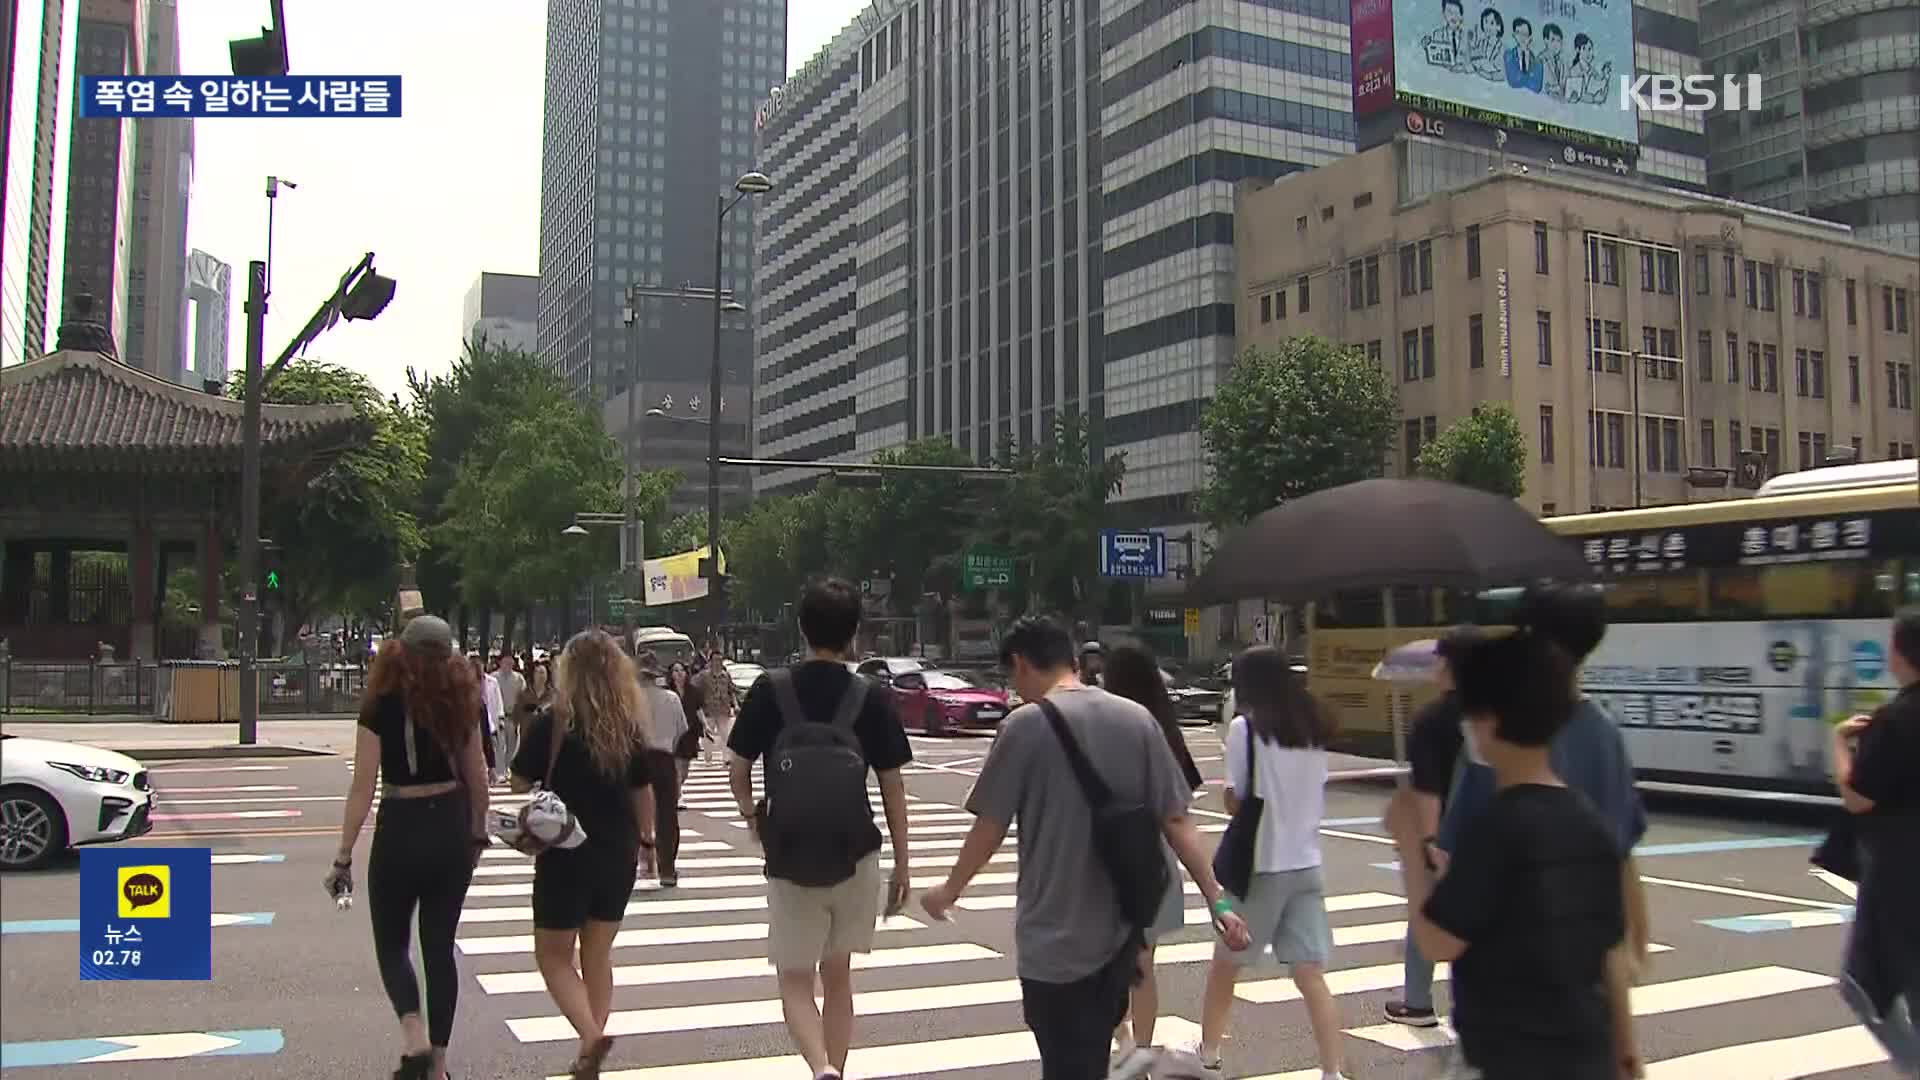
1471,745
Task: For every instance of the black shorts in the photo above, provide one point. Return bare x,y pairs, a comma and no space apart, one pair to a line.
570,887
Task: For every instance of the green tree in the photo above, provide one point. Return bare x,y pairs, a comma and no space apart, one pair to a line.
1484,449
685,533
908,522
1290,421
1051,513
343,534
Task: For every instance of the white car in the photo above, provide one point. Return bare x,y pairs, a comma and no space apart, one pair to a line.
744,675
59,795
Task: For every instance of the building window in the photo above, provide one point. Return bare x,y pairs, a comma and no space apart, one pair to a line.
1816,300
1899,385
1900,324
1800,294
1766,287
1266,307
1426,352
1616,440
1412,438
1356,286
1667,270
1771,356
1819,448
1853,308
1280,304
1703,356
1817,364
1773,451
1407,270
1373,350
1410,356
1543,330
1539,247
1476,342
1853,380
1426,266
1805,442
1546,434
1752,271
1733,357
1726,272
1646,269
1859,450
1473,251
1305,296
1707,449
1373,280
1753,365
1603,261
1605,346
1734,445
1702,273
1669,445
1886,305
1802,380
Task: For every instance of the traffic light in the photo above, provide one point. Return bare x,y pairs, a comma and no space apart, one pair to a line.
263,55
272,580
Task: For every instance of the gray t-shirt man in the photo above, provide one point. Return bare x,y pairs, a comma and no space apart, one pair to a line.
1067,922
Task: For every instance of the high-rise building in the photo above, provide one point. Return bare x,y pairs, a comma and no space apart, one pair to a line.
804,359
163,181
1645,338
210,297
35,43
1839,134
111,40
1043,206
502,308
649,121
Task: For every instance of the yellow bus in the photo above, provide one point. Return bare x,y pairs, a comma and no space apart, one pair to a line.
1740,629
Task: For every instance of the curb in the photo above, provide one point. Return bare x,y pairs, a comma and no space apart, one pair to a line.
199,753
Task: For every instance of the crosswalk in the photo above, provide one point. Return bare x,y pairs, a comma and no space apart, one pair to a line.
934,999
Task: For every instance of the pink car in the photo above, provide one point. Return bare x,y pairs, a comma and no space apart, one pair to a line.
944,702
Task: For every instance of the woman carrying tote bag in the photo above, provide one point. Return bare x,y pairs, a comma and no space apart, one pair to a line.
1270,857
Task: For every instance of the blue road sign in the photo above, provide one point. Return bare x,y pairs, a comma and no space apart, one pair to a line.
1133,554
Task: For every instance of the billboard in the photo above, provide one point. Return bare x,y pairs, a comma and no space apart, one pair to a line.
1552,67
676,578
1372,38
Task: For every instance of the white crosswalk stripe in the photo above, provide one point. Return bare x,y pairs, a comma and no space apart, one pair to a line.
712,988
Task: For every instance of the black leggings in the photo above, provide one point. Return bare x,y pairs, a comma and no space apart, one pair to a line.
422,858
665,773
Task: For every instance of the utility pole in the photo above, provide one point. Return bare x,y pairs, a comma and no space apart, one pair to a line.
247,635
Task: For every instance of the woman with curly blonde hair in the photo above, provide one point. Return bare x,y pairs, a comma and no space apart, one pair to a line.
420,738
588,748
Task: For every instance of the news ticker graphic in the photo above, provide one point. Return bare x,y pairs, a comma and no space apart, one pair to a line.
121,96
146,913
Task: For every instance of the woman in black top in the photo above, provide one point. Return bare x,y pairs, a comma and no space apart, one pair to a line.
1877,768
417,734
1131,672
599,770
1530,911
681,682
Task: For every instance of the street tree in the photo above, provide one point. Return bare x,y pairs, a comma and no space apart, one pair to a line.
1051,512
1292,420
342,535
687,532
900,527
1484,450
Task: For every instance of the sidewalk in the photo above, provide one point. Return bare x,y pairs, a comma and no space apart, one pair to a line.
150,740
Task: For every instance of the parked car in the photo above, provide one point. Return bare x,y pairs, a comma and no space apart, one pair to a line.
943,702
1191,704
885,668
1225,674
744,675
59,795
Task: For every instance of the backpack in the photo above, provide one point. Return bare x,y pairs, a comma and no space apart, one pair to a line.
1126,835
816,823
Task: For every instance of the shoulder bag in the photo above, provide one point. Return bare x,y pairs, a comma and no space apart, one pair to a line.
1126,835
543,812
1234,859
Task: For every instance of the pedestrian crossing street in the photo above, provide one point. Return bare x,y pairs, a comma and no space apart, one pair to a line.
695,1000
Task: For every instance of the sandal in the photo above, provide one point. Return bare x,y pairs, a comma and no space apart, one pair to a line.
414,1067
587,1066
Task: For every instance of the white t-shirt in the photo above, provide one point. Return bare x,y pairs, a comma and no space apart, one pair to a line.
1293,784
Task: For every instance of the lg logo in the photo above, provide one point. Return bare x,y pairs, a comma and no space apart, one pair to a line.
1420,125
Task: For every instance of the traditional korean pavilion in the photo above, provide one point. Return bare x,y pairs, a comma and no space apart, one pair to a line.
96,456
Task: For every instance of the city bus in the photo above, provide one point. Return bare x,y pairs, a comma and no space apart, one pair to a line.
1740,629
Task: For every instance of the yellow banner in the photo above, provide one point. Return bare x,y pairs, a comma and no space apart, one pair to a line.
676,578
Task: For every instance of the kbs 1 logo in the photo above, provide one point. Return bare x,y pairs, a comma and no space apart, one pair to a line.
1690,93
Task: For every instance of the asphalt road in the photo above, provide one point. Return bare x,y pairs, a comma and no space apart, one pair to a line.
1750,998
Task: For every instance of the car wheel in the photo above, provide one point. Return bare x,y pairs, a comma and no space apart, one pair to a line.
933,722
32,829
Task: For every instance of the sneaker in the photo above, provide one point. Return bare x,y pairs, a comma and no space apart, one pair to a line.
1185,1065
1134,1063
1400,1012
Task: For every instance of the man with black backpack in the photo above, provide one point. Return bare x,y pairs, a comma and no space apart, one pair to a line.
1094,786
820,728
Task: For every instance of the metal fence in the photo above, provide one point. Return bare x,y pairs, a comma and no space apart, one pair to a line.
29,688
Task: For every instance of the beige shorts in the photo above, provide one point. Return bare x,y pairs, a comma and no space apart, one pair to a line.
807,925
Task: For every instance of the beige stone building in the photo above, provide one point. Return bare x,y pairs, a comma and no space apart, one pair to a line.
1621,322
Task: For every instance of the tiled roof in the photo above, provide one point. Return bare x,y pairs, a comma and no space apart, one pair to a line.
75,408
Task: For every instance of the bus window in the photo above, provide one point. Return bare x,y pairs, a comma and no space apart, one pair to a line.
1654,598
1825,590
1735,594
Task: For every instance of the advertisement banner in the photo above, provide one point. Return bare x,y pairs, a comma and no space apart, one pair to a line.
1552,67
676,578
1372,56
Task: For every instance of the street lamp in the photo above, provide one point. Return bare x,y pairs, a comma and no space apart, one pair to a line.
573,530
274,184
752,183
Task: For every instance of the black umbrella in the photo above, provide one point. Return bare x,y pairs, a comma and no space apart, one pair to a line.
1378,533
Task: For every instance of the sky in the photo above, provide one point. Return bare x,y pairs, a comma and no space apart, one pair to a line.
447,190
